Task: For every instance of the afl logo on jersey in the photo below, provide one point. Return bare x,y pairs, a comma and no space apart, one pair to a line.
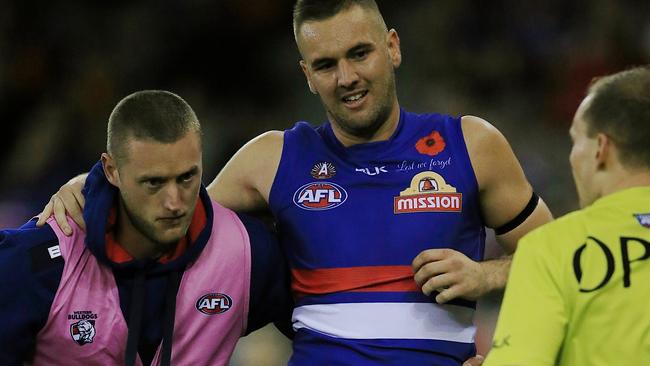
214,303
320,196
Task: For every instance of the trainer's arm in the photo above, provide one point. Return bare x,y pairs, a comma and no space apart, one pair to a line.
244,184
270,296
29,278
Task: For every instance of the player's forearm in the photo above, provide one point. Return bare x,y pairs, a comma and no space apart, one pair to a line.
496,273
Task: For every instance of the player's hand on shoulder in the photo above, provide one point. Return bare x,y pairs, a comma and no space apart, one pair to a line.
451,273
68,199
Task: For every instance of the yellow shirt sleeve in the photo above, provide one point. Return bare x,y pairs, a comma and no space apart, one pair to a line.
533,316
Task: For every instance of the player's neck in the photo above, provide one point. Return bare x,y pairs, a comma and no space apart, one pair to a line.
383,133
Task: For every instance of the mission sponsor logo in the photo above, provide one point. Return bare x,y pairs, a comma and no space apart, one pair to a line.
428,192
643,219
214,303
323,170
317,196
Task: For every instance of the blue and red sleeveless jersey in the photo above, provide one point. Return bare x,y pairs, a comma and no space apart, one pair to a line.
351,221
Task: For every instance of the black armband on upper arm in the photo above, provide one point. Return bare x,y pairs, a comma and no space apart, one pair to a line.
523,215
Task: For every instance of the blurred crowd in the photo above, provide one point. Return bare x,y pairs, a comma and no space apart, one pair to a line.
523,66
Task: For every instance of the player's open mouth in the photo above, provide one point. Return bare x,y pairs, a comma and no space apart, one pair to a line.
354,99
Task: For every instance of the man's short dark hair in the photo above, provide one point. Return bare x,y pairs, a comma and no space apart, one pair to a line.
620,108
156,115
307,10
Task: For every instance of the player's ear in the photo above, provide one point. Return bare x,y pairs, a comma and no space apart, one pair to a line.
394,50
305,70
110,169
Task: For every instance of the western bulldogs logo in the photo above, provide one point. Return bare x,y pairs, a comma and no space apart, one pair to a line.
319,196
214,303
83,331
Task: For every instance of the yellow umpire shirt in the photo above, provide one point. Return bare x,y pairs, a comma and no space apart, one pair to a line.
579,289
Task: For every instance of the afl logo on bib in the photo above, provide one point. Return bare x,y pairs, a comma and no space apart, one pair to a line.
318,196
214,303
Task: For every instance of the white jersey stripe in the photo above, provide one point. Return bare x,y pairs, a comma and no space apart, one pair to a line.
388,321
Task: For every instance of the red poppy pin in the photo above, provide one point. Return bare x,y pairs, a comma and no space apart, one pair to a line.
431,145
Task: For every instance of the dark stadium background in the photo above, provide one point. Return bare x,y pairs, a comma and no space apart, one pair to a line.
523,66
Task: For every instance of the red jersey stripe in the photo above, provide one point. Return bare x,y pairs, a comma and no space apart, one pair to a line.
353,279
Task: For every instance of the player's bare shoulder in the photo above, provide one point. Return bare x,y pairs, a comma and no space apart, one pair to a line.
480,135
270,142
488,149
264,152
245,181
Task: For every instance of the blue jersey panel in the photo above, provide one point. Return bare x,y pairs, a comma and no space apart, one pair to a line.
315,349
351,221
344,207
